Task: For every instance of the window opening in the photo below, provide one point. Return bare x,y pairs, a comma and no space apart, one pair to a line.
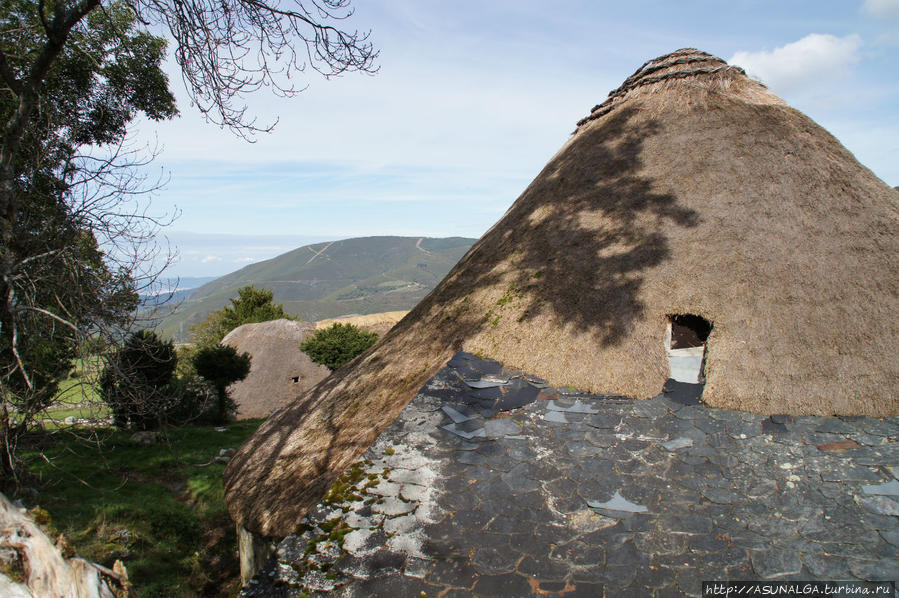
685,344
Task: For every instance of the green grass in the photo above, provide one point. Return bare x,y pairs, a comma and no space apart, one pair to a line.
158,508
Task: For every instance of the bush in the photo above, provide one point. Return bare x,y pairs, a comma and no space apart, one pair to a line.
135,381
194,401
338,344
147,384
222,366
251,305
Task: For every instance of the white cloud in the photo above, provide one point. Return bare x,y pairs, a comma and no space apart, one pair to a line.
245,260
210,258
816,58
888,9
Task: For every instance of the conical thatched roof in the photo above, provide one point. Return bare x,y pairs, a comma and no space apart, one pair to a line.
691,190
279,371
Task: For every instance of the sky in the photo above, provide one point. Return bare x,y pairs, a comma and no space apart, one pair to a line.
471,100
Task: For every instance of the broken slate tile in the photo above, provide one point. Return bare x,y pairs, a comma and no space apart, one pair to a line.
577,407
469,458
487,382
888,489
840,446
891,536
879,504
488,394
678,443
455,415
617,503
770,564
497,428
555,417
455,429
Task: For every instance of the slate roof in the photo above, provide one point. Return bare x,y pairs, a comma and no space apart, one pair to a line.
492,483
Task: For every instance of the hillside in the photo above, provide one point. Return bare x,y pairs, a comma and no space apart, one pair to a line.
326,280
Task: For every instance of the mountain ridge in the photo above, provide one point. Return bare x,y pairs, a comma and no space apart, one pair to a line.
360,275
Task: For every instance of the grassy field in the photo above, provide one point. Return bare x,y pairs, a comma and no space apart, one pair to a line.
158,508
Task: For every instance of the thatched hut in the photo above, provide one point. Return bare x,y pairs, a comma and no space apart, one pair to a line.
279,371
691,193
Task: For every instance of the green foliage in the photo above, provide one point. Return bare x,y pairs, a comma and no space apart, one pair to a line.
338,344
222,366
135,381
160,508
251,305
59,291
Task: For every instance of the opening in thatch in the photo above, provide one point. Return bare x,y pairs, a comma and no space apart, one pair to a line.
685,344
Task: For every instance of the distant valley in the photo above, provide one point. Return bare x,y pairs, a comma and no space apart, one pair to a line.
325,280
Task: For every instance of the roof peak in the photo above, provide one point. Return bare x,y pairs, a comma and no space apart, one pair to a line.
680,64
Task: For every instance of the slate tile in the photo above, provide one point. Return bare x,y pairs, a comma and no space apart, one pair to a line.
668,592
490,561
609,574
543,568
506,522
470,519
459,501
882,505
632,591
453,572
706,543
479,474
661,543
531,501
469,458
626,554
653,577
879,570
774,563
825,566
579,554
600,438
509,584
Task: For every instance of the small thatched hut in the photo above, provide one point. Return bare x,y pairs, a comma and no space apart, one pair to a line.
279,371
691,193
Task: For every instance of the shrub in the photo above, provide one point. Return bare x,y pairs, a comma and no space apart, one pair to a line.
338,344
222,366
135,381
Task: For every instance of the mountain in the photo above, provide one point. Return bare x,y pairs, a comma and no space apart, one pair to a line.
326,280
171,290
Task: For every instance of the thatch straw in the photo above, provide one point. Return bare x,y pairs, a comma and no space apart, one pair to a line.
379,323
698,192
279,371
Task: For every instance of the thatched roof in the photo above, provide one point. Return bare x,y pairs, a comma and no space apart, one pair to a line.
378,323
692,190
279,371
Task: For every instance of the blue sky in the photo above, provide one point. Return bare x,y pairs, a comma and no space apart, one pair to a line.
473,98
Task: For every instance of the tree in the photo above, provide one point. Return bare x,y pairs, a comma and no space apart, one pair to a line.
74,75
222,366
135,383
338,344
251,305
225,49
58,288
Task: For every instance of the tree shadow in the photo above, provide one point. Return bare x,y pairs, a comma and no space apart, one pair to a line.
581,236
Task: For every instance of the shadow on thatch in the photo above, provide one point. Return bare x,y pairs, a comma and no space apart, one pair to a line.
601,268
